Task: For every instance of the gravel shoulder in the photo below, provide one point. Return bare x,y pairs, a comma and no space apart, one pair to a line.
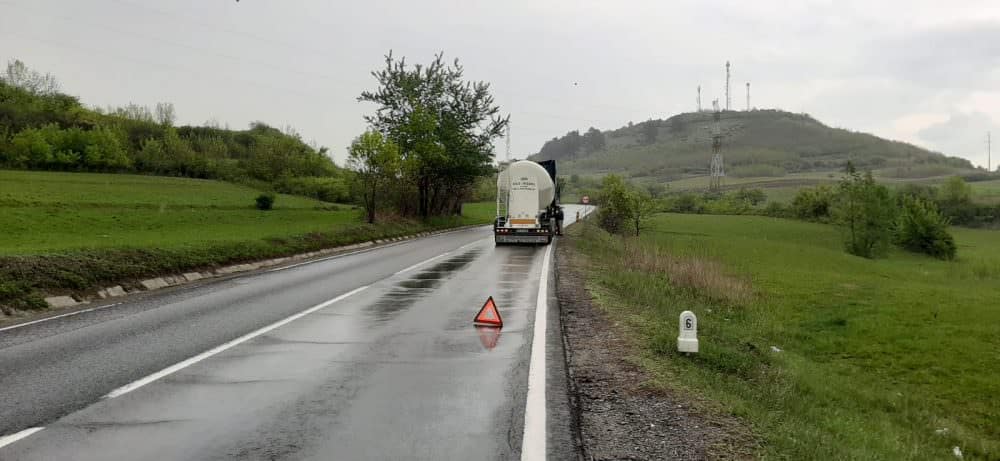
620,417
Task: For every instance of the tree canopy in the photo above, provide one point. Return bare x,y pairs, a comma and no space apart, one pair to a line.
444,127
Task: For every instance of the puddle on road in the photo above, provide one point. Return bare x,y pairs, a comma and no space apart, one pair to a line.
407,292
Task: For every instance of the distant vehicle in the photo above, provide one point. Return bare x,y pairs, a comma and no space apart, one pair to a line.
585,200
528,209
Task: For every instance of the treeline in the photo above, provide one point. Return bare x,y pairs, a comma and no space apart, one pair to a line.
873,216
573,145
429,143
43,129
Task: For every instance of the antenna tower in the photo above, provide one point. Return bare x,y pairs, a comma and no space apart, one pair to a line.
699,98
729,100
748,96
717,169
989,153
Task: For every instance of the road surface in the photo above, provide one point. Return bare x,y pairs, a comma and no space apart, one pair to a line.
370,355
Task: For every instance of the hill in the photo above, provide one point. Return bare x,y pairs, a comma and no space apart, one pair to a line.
759,143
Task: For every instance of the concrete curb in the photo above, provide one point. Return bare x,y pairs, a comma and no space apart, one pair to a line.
166,281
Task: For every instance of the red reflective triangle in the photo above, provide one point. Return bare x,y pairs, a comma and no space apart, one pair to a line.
489,315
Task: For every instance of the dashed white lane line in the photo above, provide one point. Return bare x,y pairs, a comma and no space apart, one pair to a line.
9,439
242,339
533,443
421,263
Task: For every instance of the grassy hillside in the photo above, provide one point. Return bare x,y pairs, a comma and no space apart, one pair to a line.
73,232
764,143
827,355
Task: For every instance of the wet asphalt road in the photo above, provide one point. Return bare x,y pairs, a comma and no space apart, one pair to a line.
394,371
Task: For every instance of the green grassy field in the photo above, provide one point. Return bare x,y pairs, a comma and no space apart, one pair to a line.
879,359
986,191
71,232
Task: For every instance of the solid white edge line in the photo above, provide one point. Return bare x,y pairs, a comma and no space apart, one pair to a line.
9,439
533,443
341,255
204,355
54,317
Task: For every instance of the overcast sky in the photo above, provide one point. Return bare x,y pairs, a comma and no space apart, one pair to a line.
923,71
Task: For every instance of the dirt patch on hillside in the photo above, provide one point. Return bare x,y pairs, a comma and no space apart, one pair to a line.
620,418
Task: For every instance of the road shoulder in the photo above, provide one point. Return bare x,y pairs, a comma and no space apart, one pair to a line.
619,416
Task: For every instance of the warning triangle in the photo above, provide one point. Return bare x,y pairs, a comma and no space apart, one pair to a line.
489,315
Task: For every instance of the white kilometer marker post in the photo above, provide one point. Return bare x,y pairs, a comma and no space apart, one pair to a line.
687,339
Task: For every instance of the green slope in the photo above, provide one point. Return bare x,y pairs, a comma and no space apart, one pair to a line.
762,143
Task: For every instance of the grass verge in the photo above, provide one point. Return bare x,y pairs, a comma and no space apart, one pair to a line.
77,232
825,355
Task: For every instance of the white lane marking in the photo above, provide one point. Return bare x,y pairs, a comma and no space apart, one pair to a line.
533,444
438,256
341,255
204,355
421,263
9,439
372,248
68,314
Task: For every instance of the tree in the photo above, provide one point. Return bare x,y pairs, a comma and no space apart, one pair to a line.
867,212
650,131
165,114
623,207
444,127
921,228
19,75
593,140
376,160
955,200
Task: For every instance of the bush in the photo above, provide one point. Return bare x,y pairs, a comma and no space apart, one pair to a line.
265,201
777,210
813,203
685,203
921,228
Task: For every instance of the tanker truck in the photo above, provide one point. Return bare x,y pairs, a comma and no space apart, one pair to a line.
528,208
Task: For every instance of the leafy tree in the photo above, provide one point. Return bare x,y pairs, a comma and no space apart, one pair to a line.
866,211
623,207
593,140
443,125
376,160
650,131
19,75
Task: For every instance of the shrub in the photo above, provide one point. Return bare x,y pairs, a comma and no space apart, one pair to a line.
685,203
265,201
921,228
813,203
777,210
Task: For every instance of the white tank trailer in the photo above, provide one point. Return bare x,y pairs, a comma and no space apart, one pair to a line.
528,209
